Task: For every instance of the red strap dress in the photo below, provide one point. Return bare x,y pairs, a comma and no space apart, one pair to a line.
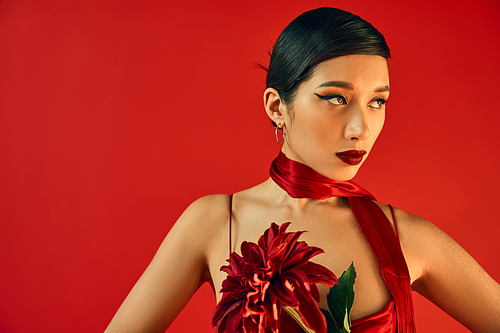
301,181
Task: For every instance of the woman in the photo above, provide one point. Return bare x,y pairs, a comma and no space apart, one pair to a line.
327,85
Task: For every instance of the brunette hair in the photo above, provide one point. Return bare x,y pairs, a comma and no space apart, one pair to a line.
316,36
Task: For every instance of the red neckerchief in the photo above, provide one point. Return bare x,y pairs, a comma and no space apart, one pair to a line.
301,181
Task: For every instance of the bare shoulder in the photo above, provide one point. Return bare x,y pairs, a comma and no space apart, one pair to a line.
410,226
201,222
176,271
204,216
442,271
418,234
413,229
403,218
209,204
420,240
210,207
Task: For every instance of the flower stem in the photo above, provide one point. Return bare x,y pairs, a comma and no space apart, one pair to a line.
295,315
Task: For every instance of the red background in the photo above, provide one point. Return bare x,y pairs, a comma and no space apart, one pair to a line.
115,115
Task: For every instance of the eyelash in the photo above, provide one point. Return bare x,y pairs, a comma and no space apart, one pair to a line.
381,101
332,96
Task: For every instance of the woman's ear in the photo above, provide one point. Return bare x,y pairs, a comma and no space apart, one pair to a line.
275,108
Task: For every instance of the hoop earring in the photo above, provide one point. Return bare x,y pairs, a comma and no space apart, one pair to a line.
282,131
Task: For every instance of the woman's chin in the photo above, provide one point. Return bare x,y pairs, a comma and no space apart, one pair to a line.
346,174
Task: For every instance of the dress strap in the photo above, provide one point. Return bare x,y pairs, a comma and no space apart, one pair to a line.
387,250
394,221
230,218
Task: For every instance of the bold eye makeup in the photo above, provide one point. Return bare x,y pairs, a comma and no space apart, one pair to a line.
377,103
335,99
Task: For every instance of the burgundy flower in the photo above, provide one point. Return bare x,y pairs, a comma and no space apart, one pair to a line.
270,274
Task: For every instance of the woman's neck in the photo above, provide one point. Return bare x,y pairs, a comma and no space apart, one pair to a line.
282,198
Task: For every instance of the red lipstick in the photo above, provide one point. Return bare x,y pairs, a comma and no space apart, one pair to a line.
351,157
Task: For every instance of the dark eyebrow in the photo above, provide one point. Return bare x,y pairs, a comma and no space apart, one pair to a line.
382,89
340,84
347,85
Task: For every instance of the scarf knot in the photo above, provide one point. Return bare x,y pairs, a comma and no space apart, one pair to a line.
301,181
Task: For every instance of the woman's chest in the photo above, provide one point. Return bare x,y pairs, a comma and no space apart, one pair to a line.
336,232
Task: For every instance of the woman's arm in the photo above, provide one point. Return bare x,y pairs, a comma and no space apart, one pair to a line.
448,276
177,270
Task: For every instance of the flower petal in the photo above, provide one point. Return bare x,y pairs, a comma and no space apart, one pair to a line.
284,290
317,273
311,314
273,272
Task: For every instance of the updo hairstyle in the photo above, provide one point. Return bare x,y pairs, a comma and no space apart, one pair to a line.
316,36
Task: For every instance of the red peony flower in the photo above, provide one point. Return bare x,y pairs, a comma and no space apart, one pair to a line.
270,274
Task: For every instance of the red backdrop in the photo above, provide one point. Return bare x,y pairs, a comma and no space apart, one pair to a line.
115,115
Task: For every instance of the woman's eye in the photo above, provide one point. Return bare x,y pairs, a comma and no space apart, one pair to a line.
377,103
338,100
334,99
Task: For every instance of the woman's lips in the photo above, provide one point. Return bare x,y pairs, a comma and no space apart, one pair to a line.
351,157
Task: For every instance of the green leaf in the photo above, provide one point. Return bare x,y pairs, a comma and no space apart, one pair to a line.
340,300
330,323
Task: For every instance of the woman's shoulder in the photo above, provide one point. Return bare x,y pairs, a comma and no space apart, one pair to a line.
438,268
207,211
403,219
210,204
202,219
214,210
414,231
421,241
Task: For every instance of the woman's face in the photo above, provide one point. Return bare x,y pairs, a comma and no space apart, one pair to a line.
337,114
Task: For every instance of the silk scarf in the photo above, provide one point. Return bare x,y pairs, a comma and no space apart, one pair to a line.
301,181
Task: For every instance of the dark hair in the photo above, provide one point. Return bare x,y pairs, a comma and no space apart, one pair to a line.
316,36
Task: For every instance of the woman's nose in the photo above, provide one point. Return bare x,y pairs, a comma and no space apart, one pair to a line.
357,127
